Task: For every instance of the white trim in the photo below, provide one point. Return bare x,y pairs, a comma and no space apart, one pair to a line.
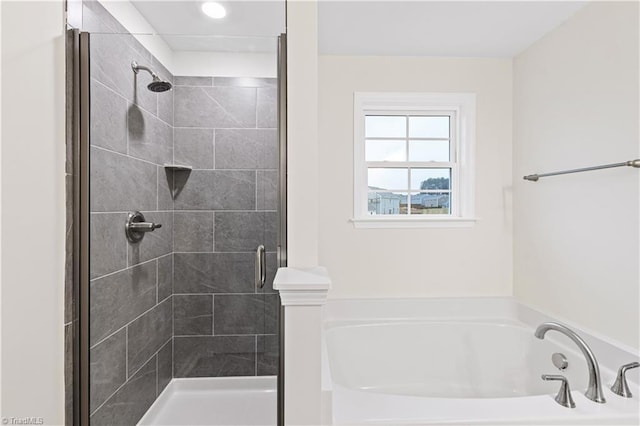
463,106
302,287
303,297
381,222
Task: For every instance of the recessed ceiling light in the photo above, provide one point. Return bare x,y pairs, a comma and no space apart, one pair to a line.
214,10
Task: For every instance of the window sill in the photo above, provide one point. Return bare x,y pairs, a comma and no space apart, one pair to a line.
413,222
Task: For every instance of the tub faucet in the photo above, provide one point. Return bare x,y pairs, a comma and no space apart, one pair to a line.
594,389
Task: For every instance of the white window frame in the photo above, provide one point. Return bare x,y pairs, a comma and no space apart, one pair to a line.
462,106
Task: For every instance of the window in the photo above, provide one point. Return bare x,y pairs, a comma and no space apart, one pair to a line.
413,159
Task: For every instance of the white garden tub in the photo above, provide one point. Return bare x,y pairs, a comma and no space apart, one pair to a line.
464,361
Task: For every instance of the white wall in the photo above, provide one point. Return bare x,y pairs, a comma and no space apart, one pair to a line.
576,237
33,209
302,133
416,262
225,64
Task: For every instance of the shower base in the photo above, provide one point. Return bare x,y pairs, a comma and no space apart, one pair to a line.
216,401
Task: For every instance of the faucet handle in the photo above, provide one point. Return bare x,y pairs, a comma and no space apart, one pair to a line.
621,387
564,394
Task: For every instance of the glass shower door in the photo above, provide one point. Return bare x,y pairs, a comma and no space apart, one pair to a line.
195,171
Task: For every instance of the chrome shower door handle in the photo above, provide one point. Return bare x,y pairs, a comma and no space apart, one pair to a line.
261,267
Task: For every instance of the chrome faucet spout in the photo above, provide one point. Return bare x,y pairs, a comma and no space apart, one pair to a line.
594,389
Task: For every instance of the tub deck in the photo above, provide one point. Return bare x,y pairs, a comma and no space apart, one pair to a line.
471,361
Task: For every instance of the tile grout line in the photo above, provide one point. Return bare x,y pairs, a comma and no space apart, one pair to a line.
157,282
213,232
127,324
130,102
222,335
126,353
219,252
126,123
157,188
207,210
221,294
121,212
173,351
226,128
127,381
124,269
126,155
157,374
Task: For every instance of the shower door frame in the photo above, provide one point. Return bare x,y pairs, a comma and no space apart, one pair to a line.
79,82
282,206
79,99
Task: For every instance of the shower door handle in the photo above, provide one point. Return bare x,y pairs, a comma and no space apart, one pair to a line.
261,267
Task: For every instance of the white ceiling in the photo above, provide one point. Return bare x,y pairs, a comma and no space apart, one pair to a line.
250,26
410,28
437,28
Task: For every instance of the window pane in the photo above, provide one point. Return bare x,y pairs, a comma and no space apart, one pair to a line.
431,203
430,179
388,178
429,127
387,203
390,150
429,150
378,126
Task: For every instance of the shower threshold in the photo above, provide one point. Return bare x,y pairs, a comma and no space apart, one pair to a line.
215,401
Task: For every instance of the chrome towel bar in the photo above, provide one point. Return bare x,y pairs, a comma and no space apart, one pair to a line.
630,163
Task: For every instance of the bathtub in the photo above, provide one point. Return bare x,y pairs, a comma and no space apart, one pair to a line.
459,361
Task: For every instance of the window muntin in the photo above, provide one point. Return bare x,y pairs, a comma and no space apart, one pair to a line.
408,161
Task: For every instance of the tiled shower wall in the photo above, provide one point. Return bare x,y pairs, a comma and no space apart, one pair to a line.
183,302
226,129
131,307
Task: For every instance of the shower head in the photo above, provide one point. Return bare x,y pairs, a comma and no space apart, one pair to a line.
157,85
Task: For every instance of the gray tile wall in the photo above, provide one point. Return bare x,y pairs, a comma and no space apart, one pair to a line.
226,129
131,287
181,303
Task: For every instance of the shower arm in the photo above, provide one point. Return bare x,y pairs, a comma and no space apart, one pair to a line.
136,68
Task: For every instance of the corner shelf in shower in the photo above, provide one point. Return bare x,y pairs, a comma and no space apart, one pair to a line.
178,167
177,180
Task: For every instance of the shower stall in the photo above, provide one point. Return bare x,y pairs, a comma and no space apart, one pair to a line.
179,223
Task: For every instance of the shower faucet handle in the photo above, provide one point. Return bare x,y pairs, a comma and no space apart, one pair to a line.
136,227
621,387
144,226
564,394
